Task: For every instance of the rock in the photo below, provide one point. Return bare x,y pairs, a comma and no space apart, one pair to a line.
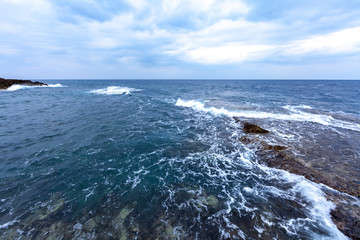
252,128
13,234
237,119
120,218
77,227
123,214
262,144
6,83
247,140
170,233
346,221
135,229
55,231
212,201
118,222
275,148
90,225
44,215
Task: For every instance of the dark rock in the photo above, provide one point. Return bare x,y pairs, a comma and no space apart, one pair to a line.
247,140
6,83
252,128
237,119
346,223
263,145
274,147
249,127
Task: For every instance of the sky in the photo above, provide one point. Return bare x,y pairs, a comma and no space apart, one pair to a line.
180,39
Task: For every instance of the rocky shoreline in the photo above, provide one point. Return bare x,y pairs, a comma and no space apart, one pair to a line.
6,83
346,215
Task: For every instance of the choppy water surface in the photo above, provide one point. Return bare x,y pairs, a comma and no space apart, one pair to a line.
162,159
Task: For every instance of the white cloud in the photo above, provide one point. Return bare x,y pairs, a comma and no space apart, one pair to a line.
212,7
127,59
8,51
138,4
229,53
104,43
224,42
203,48
170,6
192,31
229,7
340,42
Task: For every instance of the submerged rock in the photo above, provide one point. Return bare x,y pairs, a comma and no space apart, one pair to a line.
169,230
120,218
274,147
212,201
91,224
6,83
119,224
262,144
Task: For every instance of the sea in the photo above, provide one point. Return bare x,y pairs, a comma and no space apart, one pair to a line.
162,159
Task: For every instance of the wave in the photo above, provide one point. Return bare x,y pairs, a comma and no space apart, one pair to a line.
295,114
115,90
55,85
16,87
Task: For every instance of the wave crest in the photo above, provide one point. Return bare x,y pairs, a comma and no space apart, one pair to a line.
115,90
295,114
16,87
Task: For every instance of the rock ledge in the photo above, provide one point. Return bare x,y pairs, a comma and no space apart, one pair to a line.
6,83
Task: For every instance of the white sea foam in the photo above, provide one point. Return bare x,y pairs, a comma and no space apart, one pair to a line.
6,225
54,85
115,90
295,114
16,87
319,207
292,107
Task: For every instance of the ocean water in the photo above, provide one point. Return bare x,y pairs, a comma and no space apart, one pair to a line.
147,159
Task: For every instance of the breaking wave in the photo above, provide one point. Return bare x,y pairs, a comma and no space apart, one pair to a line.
16,87
294,114
115,90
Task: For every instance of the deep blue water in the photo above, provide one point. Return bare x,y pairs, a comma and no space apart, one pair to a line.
147,158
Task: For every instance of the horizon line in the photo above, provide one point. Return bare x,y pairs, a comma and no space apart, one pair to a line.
202,79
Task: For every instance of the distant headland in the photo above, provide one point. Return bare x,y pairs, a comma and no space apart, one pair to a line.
6,83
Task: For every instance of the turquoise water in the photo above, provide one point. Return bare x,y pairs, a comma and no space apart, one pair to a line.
111,159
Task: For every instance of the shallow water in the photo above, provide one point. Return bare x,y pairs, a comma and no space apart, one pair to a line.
145,159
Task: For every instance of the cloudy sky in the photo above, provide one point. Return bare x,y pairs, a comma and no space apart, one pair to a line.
192,39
